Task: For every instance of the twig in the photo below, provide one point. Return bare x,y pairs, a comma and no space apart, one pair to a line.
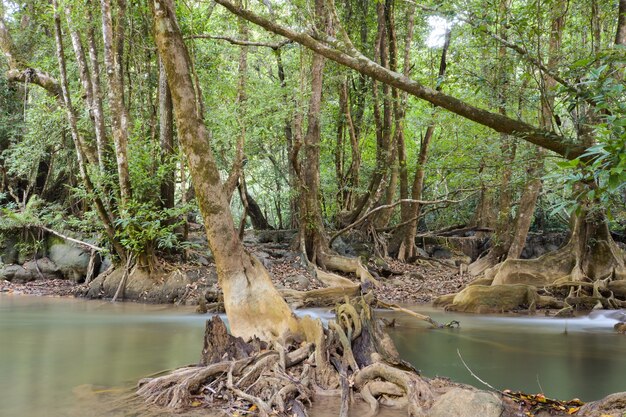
122,284
476,376
539,383
419,316
71,239
388,206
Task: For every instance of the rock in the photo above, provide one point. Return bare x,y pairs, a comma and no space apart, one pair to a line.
105,264
47,269
493,298
439,252
265,258
71,260
421,253
620,327
299,280
17,273
342,248
8,251
611,405
276,236
416,276
460,402
618,288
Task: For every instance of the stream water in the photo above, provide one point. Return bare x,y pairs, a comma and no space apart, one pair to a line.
54,352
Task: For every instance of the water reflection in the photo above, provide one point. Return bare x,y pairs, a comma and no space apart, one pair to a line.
564,358
48,347
54,353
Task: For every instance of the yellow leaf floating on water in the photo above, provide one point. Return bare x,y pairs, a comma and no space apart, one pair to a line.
196,403
253,407
607,415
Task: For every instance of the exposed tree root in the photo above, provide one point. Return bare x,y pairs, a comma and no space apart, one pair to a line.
352,358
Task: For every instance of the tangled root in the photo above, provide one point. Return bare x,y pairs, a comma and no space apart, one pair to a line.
351,358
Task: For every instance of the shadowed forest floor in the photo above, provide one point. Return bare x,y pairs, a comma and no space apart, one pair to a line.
411,283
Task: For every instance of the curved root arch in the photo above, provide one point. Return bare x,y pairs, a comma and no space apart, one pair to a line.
286,377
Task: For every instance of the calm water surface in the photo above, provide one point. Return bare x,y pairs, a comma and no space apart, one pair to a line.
55,352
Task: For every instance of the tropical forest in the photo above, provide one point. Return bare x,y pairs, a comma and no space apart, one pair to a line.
313,208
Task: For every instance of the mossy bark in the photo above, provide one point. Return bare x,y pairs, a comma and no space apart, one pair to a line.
253,306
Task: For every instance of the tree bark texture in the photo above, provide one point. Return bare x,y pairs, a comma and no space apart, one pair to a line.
78,143
252,304
119,112
166,137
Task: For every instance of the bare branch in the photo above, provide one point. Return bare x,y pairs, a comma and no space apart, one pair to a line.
241,42
388,206
71,239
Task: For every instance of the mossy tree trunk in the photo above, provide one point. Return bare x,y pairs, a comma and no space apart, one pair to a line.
253,306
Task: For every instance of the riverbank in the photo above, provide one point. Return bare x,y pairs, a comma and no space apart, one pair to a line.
405,283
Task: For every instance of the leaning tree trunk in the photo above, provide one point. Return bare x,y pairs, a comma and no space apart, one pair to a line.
253,306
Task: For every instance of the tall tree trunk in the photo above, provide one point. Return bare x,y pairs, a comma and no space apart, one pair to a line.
104,216
502,236
166,137
347,180
383,123
98,112
620,33
119,112
392,114
402,244
236,170
289,138
533,178
311,224
253,306
85,79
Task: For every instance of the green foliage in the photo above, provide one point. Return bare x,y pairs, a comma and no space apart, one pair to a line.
602,168
145,227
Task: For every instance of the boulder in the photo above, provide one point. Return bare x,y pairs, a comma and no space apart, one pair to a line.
47,269
611,405
298,280
460,402
72,261
493,298
618,288
342,248
17,273
8,251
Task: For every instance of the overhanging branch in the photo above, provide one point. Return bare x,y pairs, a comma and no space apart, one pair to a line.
352,58
241,42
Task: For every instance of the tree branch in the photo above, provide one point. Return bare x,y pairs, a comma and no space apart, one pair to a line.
71,239
330,48
241,42
384,207
20,71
